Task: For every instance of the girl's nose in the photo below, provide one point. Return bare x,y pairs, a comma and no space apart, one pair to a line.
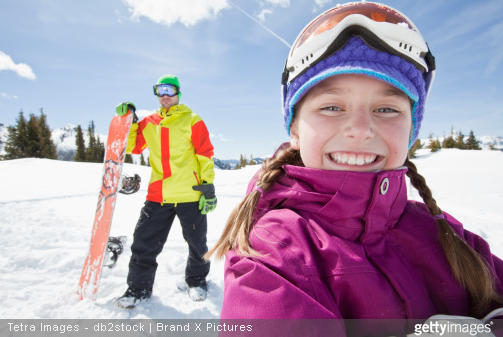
359,126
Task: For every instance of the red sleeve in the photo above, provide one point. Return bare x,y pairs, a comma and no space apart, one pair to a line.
136,138
201,140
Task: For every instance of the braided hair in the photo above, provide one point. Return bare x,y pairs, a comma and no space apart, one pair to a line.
236,234
467,266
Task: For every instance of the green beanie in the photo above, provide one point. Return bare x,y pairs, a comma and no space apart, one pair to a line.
170,79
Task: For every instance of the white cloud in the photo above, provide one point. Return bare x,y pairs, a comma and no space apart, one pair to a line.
5,95
318,4
269,6
281,3
321,3
144,113
22,69
262,14
223,139
187,12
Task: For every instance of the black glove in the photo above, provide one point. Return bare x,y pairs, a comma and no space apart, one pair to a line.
208,201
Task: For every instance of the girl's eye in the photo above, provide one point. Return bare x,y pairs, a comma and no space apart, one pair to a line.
387,110
330,110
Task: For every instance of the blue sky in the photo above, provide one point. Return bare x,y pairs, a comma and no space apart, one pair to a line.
79,59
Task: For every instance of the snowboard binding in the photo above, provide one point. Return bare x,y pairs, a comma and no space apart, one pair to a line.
130,185
115,247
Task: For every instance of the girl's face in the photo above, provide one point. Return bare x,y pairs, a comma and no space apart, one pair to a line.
352,123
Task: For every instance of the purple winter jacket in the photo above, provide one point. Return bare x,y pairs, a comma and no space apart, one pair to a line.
337,244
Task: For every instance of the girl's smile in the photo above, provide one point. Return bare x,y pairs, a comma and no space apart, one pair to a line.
352,123
349,158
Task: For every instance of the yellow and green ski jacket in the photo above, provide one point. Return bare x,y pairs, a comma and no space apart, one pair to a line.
181,154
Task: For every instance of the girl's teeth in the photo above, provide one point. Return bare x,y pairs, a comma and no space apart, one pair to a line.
353,159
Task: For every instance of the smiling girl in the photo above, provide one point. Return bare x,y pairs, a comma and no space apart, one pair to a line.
326,230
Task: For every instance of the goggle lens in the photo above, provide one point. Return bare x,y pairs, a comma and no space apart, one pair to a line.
333,17
166,89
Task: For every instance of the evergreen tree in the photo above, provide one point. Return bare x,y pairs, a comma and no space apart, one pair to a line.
17,139
242,161
252,161
430,141
472,143
448,142
459,143
492,147
148,161
128,159
228,166
434,144
91,144
100,150
412,151
33,149
95,151
142,160
11,148
30,138
47,147
80,154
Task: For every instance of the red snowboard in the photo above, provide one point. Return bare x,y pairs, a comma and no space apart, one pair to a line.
114,159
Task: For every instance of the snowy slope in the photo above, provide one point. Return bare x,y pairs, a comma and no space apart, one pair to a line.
47,210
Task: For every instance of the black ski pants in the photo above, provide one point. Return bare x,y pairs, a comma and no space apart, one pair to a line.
151,234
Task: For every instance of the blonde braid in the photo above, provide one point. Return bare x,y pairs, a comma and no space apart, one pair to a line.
468,267
236,234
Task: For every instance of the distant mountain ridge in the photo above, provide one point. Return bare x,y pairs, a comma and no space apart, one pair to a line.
222,163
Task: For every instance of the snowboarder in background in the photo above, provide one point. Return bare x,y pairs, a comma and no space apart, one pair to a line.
181,184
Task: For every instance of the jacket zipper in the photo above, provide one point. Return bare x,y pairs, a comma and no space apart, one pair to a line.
197,179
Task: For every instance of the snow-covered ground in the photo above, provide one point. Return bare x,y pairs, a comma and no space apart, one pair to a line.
47,210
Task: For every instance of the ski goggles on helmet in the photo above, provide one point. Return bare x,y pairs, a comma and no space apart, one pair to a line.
382,27
166,89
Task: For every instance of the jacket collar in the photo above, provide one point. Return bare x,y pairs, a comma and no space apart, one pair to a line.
353,205
178,108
